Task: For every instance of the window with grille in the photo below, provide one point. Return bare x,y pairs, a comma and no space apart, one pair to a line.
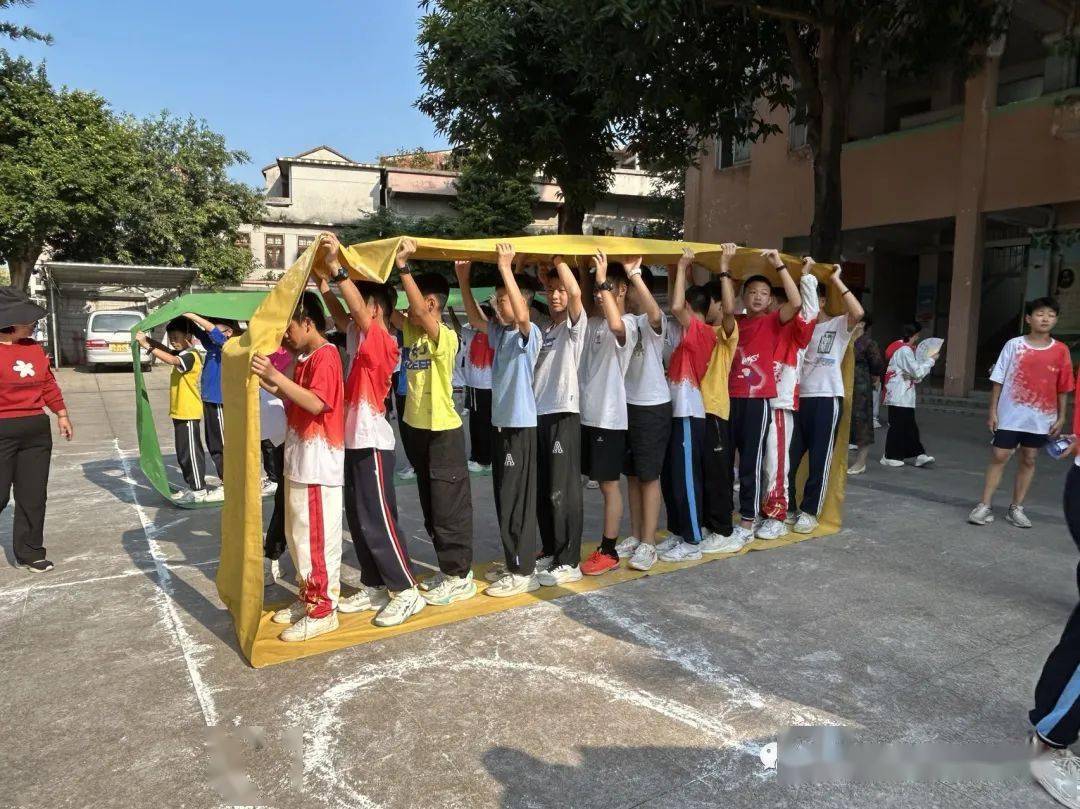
275,251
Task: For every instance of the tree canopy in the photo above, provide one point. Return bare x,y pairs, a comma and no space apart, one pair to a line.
491,203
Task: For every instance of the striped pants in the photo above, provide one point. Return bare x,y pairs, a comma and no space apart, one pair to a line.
749,429
774,467
371,511
313,534
189,452
682,481
816,424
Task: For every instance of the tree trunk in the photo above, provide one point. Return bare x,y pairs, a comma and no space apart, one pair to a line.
571,217
20,269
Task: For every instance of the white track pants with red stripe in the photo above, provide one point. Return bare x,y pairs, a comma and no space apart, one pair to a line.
313,532
774,468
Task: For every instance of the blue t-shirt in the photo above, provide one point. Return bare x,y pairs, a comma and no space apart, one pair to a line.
212,341
512,401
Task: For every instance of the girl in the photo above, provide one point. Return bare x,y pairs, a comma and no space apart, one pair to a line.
904,372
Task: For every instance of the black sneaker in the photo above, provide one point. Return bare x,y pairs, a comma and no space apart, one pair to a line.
40,566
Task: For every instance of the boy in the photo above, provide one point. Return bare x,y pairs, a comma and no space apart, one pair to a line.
185,402
435,439
1032,378
794,337
516,340
648,406
752,383
314,469
272,430
610,337
821,401
559,499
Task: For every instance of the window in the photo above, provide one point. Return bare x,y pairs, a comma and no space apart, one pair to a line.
113,323
275,251
285,184
303,243
601,231
731,153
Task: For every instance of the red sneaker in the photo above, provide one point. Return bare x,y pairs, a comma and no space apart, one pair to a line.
599,563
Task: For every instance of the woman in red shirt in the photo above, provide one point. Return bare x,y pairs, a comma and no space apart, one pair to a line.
27,387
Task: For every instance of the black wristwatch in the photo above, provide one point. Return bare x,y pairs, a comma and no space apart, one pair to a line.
606,286
406,270
341,275
725,274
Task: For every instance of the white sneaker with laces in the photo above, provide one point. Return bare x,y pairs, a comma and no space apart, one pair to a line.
644,557
592,484
307,628
718,543
627,547
857,470
269,487
290,614
190,496
364,599
981,515
791,518
451,589
408,473
924,460
544,563
401,608
215,495
432,582
495,572
271,571
1058,772
668,542
683,552
890,461
512,584
806,524
475,467
559,575
1017,517
772,529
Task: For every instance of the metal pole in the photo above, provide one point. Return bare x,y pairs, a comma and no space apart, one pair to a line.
55,337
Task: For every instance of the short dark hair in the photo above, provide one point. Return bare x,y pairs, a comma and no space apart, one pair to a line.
1045,302
431,283
528,284
714,289
756,279
553,273
616,273
226,321
488,311
910,330
697,298
309,306
180,325
779,293
382,294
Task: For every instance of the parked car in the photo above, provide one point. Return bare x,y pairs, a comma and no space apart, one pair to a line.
108,338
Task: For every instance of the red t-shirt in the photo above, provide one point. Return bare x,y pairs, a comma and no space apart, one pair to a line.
687,367
752,375
315,444
367,387
27,384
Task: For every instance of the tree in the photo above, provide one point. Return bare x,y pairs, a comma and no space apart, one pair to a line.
418,158
12,31
490,203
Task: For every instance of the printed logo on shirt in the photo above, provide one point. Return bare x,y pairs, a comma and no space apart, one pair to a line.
549,342
23,368
509,460
825,344
557,449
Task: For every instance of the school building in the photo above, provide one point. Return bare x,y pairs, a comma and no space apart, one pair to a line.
961,197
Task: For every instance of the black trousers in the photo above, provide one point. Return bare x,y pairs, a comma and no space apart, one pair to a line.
716,473
214,427
25,453
749,427
442,483
682,481
902,441
559,499
189,452
815,426
513,476
371,512
266,447
274,544
1056,715
399,408
479,404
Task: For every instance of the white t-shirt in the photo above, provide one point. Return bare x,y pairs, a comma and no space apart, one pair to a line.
646,381
555,379
458,377
479,357
602,371
1031,377
271,418
821,373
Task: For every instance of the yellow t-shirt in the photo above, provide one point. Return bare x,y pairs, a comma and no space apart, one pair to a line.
185,393
429,403
714,387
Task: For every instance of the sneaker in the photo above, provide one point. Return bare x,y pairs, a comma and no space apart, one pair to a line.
271,571
190,496
981,515
495,572
668,542
683,552
290,614
592,484
644,557
924,460
39,566
432,582
627,547
791,518
852,446
877,424
512,584
408,473
890,462
451,589
857,470
1058,772
772,529
562,574
307,628
401,608
474,466
1017,517
544,563
598,563
268,487
215,495
806,524
718,543
364,599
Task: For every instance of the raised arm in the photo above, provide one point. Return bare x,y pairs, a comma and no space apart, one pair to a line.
652,309
794,301
854,308
281,386
477,319
517,300
158,350
418,311
727,288
677,288
607,299
200,321
455,321
574,306
588,289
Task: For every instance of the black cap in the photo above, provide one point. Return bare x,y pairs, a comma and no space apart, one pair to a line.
17,309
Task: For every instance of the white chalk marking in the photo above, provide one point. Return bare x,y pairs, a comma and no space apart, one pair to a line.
125,575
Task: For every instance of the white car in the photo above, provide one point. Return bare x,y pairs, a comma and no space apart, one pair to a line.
108,338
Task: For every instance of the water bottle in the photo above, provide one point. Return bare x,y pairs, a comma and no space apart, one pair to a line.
1056,448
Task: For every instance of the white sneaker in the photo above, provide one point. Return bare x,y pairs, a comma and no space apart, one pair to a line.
190,496
890,462
857,470
791,518
644,557
1058,772
290,614
683,552
271,571
562,574
451,589
718,543
592,484
544,563
268,487
307,628
215,495
852,446
1017,517
495,572
401,608
408,473
432,582
512,584
475,467
627,547
668,542
772,529
981,515
877,424
924,460
806,524
364,599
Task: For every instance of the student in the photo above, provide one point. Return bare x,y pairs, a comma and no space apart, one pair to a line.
516,340
435,440
610,337
185,402
869,366
399,384
27,388
1032,378
648,406
904,372
787,362
314,468
752,383
821,403
559,500
272,429
478,366
387,583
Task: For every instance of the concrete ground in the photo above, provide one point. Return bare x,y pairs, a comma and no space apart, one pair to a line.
908,626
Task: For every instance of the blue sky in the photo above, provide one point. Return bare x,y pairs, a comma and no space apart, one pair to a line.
274,77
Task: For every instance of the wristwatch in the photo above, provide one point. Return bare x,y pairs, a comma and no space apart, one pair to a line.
341,275
606,286
724,274
406,270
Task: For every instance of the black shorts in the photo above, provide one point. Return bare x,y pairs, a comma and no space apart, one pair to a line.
1009,439
649,428
602,453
